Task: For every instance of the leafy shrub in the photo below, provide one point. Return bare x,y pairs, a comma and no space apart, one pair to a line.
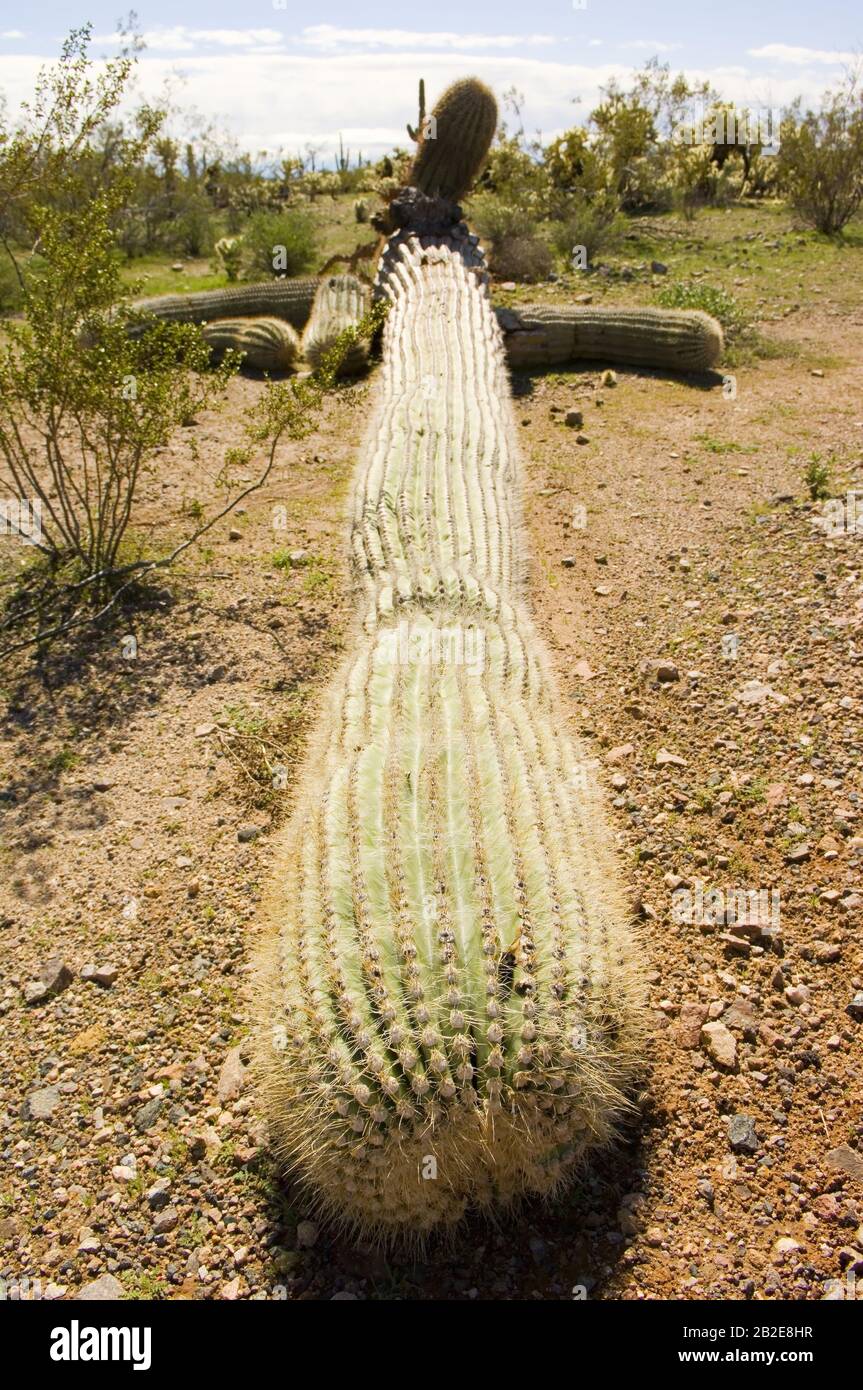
718,303
594,225
821,159
521,258
279,243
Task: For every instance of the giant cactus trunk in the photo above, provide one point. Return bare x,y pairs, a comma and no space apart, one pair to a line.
450,1005
681,340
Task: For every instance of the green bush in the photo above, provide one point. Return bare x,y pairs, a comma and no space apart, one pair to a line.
596,226
279,243
821,159
718,303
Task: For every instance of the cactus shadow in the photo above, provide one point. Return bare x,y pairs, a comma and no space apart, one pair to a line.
523,384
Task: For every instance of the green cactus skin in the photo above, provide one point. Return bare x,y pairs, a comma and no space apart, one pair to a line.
450,1002
454,144
680,340
290,300
340,303
267,345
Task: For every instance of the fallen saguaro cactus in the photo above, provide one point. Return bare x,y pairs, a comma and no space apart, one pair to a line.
681,340
284,299
267,344
339,303
449,1006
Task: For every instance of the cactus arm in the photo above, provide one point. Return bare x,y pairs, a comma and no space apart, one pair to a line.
684,340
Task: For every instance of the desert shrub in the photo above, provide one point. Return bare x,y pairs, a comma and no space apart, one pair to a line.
596,226
521,258
279,243
719,303
497,219
190,232
820,161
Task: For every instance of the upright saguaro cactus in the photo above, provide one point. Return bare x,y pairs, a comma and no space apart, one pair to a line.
450,1000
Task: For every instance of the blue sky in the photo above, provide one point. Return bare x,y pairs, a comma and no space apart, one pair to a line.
275,73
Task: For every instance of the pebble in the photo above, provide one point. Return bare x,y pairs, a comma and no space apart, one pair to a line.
741,1134
232,1077
166,1221
855,1008
103,975
148,1114
105,1288
574,418
307,1234
720,1045
247,833
40,1105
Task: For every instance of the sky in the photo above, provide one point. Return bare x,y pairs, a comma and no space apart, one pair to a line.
277,75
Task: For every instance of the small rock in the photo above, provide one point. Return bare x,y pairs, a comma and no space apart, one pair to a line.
146,1117
40,1105
661,672
55,976
166,1221
658,268
232,1077
343,1296
568,562
720,1045
741,1134
157,1196
105,1288
608,378
234,534
247,833
786,1246
103,975
845,1160
855,1008
307,1234
666,759
574,418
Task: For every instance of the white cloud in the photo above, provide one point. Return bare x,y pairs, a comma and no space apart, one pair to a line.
268,100
803,57
652,45
12,34
594,43
180,39
329,36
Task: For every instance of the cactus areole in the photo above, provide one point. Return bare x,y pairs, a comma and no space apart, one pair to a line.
450,1008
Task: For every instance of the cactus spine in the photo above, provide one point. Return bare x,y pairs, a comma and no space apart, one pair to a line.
268,345
340,302
290,300
682,340
454,141
449,1011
